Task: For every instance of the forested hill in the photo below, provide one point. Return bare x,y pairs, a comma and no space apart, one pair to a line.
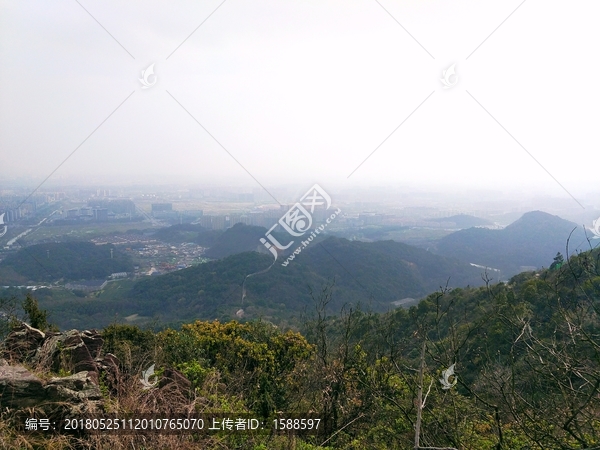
237,239
241,238
532,240
65,260
188,232
374,274
507,366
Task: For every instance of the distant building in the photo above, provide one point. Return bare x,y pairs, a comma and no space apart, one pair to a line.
236,218
257,218
116,275
12,215
206,222
103,193
101,214
162,207
74,212
218,222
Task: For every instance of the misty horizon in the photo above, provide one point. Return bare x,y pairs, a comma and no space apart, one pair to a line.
348,95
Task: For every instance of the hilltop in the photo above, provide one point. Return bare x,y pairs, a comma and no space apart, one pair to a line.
533,240
187,232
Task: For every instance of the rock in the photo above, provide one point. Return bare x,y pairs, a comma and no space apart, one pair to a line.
72,351
47,356
108,368
75,354
78,387
22,343
93,341
19,388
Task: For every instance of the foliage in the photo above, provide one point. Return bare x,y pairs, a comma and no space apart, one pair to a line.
68,261
525,352
237,239
188,232
133,346
382,272
255,358
38,318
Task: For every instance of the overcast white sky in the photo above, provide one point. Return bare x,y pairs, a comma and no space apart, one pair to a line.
303,91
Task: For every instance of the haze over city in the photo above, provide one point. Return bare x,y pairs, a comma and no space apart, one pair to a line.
302,92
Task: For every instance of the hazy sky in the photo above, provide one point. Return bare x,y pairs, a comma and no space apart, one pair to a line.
303,91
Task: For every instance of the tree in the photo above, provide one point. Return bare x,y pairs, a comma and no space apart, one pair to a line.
38,318
558,262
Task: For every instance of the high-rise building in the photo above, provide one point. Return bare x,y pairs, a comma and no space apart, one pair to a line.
218,222
101,214
206,222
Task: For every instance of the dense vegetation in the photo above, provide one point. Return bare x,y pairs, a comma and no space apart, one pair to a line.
188,232
242,238
533,240
526,356
66,260
525,353
237,239
372,273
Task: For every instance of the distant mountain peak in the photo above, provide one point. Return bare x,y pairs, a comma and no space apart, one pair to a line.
540,218
532,240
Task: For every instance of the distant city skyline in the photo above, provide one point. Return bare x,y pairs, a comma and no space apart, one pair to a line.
348,94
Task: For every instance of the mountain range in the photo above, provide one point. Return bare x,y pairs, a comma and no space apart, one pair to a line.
375,274
531,241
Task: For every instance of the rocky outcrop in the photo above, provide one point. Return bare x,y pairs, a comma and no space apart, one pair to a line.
28,352
19,388
22,342
76,355
78,387
72,351
108,369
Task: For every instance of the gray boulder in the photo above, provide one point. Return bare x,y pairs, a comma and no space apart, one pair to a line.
22,343
74,388
19,388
